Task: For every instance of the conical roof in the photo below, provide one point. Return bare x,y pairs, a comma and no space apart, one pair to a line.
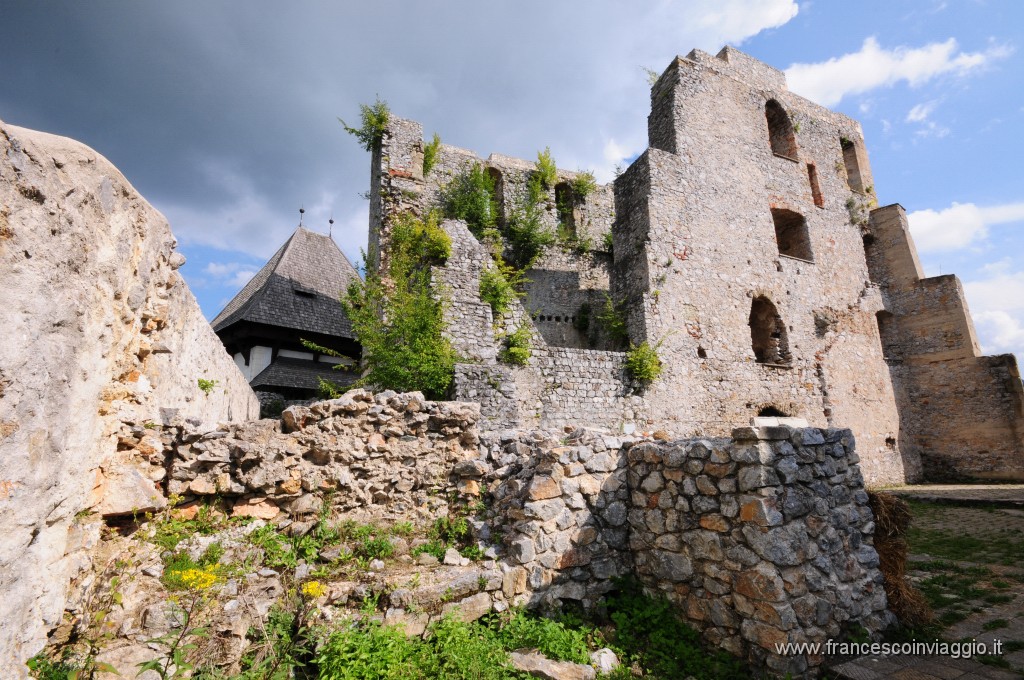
300,288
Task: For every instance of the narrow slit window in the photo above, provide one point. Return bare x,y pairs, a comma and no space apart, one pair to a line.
780,130
887,335
792,235
851,161
768,334
812,178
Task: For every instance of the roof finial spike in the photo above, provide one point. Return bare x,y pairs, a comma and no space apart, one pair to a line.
330,228
302,211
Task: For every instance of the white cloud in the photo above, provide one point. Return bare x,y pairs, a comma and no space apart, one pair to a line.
1000,333
997,306
920,112
230,274
960,225
873,66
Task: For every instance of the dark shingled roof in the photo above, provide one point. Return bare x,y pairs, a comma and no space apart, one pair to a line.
301,374
298,288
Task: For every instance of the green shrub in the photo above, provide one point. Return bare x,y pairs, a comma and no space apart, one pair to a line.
456,650
370,651
547,171
374,121
470,197
430,150
584,184
648,631
399,322
608,242
643,363
469,651
206,385
379,548
498,287
516,349
423,236
551,638
526,234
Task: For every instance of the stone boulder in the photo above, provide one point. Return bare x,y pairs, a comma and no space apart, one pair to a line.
100,334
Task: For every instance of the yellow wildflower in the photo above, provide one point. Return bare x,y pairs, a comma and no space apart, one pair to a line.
198,579
314,589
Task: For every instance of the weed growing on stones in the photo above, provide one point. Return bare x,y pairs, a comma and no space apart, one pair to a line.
430,150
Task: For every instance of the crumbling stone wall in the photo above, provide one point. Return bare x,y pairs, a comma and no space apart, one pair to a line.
382,455
101,333
695,244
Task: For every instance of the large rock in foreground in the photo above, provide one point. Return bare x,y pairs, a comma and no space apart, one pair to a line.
101,335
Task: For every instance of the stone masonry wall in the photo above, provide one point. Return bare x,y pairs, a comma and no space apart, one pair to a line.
762,540
101,333
382,454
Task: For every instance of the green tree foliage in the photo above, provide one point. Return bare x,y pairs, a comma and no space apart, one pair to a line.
396,317
584,184
373,123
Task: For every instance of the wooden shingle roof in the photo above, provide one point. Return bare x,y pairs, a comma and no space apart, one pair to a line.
299,288
286,372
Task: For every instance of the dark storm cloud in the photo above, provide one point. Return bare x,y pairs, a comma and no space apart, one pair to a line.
223,114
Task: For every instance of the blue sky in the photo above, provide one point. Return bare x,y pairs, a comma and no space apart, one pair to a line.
224,114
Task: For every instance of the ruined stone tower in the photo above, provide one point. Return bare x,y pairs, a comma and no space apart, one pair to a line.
746,246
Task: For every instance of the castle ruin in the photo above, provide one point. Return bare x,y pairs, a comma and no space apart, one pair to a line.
746,246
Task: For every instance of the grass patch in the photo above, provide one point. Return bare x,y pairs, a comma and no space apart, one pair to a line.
995,624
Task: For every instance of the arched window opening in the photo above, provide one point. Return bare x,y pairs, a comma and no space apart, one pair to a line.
851,161
565,202
812,178
771,412
792,235
768,334
780,130
499,194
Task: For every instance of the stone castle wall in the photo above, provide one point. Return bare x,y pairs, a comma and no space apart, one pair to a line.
102,334
698,226
962,413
